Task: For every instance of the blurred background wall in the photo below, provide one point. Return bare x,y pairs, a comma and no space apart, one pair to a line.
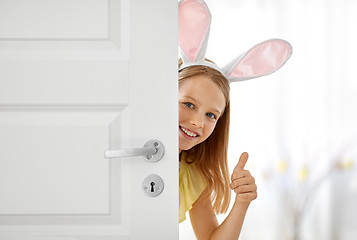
299,125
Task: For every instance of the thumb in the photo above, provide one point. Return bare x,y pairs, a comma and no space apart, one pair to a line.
242,161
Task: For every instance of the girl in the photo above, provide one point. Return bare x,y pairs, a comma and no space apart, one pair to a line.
203,138
204,125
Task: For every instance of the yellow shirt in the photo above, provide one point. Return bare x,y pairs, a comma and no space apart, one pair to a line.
192,185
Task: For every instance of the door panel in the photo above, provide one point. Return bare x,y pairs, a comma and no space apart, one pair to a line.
38,19
77,79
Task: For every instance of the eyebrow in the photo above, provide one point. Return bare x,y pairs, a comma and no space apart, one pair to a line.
195,100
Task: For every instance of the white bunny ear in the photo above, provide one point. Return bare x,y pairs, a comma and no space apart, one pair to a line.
263,59
194,20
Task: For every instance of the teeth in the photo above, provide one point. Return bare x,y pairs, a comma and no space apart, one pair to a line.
191,134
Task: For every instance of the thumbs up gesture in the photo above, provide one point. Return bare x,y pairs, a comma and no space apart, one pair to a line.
243,183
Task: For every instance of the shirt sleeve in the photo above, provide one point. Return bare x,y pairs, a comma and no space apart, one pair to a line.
191,186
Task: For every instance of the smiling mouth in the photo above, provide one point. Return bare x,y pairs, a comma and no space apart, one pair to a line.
188,132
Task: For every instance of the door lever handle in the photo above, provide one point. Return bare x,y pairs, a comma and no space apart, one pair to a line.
152,151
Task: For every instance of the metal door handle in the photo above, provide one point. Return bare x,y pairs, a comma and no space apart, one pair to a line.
152,151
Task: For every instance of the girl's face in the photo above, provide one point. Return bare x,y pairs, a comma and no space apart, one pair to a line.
201,103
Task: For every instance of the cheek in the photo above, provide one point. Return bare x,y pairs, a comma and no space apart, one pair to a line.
210,126
181,113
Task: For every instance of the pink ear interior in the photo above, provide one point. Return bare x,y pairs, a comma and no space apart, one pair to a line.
263,59
193,23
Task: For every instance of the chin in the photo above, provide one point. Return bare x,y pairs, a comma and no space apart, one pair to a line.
185,147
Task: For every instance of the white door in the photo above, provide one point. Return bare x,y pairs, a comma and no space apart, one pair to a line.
77,78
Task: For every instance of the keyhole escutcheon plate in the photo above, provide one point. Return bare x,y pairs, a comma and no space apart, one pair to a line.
153,185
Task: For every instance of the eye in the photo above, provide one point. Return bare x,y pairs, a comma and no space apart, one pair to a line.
211,115
190,105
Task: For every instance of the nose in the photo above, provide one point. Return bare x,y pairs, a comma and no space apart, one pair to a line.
197,120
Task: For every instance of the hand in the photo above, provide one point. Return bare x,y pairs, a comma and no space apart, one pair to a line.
243,183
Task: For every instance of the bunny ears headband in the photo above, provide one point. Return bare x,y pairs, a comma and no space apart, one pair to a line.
194,19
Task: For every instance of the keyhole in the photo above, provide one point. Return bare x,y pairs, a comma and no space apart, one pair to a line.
152,186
